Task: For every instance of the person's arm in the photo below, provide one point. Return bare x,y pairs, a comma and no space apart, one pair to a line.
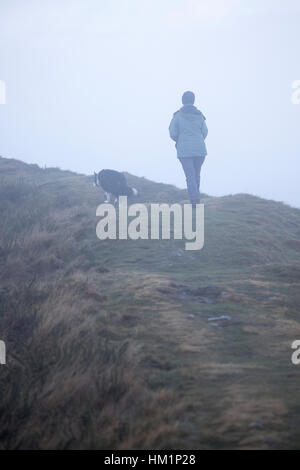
204,130
173,129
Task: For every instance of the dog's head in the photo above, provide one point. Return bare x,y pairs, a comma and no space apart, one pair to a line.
96,180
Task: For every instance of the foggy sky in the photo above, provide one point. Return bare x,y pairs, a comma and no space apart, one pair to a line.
93,84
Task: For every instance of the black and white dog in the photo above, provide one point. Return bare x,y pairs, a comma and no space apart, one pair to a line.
114,184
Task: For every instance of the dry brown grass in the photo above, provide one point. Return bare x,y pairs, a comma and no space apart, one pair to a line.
109,344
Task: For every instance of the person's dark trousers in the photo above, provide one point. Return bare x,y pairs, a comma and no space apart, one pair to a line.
192,169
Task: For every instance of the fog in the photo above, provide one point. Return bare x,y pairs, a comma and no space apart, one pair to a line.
93,84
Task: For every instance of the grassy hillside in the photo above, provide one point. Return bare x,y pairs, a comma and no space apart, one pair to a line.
120,345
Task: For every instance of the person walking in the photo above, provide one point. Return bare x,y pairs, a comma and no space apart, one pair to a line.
189,130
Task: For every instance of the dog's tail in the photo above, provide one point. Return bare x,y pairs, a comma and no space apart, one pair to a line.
130,192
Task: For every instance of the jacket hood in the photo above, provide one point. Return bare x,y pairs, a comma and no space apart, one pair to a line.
190,109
